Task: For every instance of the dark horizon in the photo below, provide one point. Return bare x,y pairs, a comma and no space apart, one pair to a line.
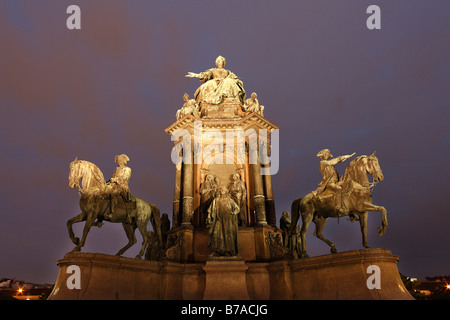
324,79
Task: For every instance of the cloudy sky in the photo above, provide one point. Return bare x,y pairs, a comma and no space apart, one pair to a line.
324,78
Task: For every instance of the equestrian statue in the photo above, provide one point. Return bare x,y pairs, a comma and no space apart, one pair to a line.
336,196
110,201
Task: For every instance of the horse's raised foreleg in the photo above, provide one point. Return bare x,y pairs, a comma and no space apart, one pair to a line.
90,219
383,211
79,218
129,230
320,225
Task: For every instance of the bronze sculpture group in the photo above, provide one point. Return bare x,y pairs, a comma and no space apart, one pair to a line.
223,209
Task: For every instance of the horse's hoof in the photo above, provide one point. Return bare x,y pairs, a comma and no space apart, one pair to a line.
138,257
76,241
76,249
333,250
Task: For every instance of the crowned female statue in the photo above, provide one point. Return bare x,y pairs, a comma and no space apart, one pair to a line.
219,84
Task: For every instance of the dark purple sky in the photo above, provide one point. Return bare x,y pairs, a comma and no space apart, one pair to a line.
324,79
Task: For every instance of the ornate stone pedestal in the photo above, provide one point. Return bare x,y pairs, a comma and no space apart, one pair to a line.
339,276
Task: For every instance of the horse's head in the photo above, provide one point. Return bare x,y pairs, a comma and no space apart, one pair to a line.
373,168
74,174
358,169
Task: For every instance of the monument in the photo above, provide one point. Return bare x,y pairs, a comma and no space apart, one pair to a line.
223,241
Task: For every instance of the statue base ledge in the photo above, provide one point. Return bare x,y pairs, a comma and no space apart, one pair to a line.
339,276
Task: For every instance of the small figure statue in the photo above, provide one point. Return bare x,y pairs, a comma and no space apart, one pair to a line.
252,105
330,177
238,192
223,221
165,227
190,106
285,224
218,85
207,191
118,185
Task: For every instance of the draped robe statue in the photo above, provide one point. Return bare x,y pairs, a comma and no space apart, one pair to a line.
223,221
239,194
219,84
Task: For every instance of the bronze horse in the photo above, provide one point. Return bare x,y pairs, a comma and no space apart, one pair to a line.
95,202
356,198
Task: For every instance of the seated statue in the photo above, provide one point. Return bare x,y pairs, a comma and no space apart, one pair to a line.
252,105
190,106
219,84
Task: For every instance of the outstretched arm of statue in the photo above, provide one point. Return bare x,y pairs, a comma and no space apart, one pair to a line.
202,76
335,161
192,75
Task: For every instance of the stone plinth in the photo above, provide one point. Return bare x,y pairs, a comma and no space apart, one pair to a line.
343,276
107,277
340,276
226,280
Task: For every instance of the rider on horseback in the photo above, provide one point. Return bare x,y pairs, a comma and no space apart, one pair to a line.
330,177
119,185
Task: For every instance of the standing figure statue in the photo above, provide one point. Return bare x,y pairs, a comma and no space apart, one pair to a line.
207,191
223,221
118,184
219,84
238,192
285,224
330,177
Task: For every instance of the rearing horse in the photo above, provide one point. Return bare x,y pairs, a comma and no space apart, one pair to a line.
356,197
94,203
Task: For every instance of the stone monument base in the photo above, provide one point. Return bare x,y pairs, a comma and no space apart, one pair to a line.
225,280
336,276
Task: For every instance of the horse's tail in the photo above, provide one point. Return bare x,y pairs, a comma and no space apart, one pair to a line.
295,215
156,220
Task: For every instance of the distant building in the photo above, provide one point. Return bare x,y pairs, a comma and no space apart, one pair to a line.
21,290
434,285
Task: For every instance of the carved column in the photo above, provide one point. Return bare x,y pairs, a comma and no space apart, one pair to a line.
258,187
188,188
177,196
268,191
